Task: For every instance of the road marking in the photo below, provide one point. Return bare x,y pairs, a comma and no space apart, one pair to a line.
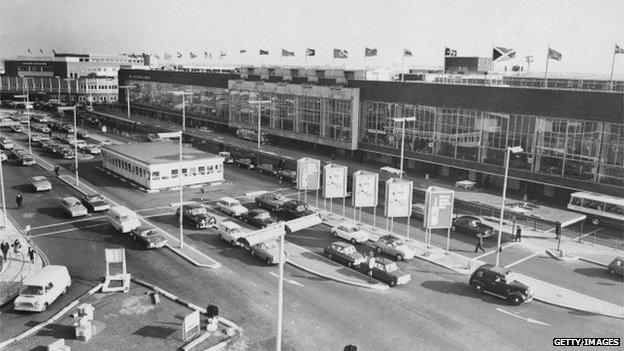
153,208
68,230
67,222
158,215
293,282
522,260
530,320
592,232
494,251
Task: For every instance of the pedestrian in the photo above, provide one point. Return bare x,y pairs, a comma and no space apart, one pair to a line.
17,246
31,254
18,200
27,231
371,264
4,247
479,243
280,179
50,133
333,156
518,234
57,170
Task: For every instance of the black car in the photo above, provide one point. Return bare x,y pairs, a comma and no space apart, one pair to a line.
387,271
266,168
271,201
500,283
196,216
287,175
295,209
259,218
243,163
149,237
471,225
95,203
344,253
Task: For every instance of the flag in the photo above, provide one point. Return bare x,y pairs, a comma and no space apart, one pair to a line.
310,52
264,52
179,54
555,55
41,50
407,53
500,53
192,55
286,53
157,56
618,49
168,56
29,51
370,52
54,52
242,51
516,69
450,52
205,54
341,54
222,54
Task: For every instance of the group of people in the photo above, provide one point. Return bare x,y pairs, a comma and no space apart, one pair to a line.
5,247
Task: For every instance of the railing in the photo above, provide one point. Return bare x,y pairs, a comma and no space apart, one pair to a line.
10,290
595,239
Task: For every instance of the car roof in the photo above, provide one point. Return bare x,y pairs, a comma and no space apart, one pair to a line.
230,225
43,276
228,199
192,205
348,223
341,243
495,269
70,198
258,210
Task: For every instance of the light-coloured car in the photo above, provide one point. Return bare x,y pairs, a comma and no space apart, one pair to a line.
267,251
73,207
393,246
92,149
350,231
39,183
41,289
6,144
230,232
27,160
231,206
3,156
123,219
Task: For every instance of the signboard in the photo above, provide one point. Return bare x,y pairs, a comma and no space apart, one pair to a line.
365,189
308,174
398,198
334,181
438,208
190,326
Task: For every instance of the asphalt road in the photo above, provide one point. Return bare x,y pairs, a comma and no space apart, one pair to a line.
437,310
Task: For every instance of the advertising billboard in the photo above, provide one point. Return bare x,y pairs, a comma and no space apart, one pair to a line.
334,181
308,173
438,208
365,189
398,198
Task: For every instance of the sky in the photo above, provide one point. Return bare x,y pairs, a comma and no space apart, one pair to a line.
584,31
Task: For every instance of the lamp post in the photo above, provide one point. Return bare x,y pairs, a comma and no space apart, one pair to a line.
128,87
27,107
75,139
59,88
260,102
183,94
178,135
509,151
403,120
4,215
68,80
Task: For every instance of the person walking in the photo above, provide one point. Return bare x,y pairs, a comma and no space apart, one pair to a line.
4,247
280,179
17,246
18,200
479,243
57,169
518,234
31,254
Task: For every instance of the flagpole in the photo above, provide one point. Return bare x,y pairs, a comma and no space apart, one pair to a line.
306,61
612,66
402,66
546,71
282,61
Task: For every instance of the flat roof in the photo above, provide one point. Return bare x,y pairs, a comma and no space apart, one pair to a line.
158,152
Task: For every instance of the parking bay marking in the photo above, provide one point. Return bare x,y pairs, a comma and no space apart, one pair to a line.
522,260
293,282
530,320
67,222
69,230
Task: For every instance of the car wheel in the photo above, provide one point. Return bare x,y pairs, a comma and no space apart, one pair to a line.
269,260
595,221
611,271
392,283
399,257
334,234
478,287
330,256
515,300
353,241
233,243
378,250
45,306
350,264
453,228
252,252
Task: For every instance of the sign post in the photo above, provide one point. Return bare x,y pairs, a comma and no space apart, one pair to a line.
438,212
398,203
365,191
308,175
190,326
335,183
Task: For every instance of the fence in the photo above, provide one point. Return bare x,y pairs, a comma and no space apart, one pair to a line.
9,290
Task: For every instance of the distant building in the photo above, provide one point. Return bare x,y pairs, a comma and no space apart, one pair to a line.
469,65
154,166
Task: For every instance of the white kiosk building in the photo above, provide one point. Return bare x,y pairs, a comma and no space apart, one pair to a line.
155,165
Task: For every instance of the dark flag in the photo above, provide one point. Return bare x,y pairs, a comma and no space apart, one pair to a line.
310,52
264,52
370,52
618,49
192,55
205,54
341,54
41,50
450,52
54,52
242,51
500,53
179,55
407,53
555,55
286,53
222,55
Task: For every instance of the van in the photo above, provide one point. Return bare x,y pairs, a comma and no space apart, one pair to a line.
42,288
123,219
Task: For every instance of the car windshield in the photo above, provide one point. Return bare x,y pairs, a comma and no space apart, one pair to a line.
510,277
349,250
354,229
149,233
301,208
263,215
392,267
198,211
95,198
74,203
32,290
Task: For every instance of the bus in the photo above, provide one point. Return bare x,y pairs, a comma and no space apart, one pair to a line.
600,209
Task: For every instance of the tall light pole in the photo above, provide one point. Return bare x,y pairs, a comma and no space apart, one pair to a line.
68,80
27,107
183,94
178,135
260,102
128,87
403,120
59,87
4,215
508,152
75,139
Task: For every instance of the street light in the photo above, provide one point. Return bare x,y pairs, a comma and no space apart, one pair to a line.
508,152
178,135
68,80
4,214
27,107
128,87
403,119
75,139
260,102
59,88
183,94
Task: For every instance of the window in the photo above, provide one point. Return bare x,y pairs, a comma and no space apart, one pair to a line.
174,173
155,175
184,172
193,171
202,170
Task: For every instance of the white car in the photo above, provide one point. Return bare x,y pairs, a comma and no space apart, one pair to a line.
230,232
3,156
6,144
73,207
40,183
350,231
231,206
42,288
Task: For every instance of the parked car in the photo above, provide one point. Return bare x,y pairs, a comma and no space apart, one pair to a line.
266,168
418,211
65,151
82,134
123,219
44,129
41,289
26,160
39,183
73,207
244,163
230,232
95,203
616,266
6,144
267,251
287,175
80,144
501,283
3,156
92,149
68,128
350,231
271,201
227,157
196,215
392,246
148,236
231,206
295,209
344,253
471,225
259,218
386,271
35,137
17,129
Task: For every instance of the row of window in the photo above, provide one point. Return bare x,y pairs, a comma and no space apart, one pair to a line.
95,87
144,173
95,98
